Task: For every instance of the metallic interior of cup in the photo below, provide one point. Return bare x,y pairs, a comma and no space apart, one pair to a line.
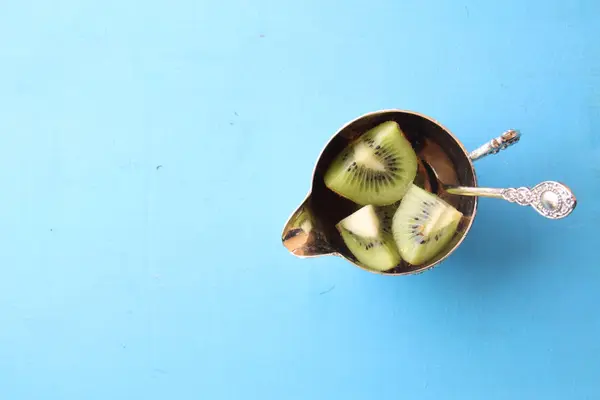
311,229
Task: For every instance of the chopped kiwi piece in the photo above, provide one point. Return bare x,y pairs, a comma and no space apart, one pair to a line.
376,168
423,225
386,216
369,240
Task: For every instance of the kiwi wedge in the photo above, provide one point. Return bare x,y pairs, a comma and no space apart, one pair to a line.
376,168
423,225
386,216
369,239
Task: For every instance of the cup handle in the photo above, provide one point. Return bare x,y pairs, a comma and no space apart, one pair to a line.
508,138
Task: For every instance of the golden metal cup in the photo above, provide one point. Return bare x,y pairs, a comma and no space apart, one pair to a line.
446,169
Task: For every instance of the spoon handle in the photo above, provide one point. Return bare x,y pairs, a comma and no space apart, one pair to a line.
508,138
551,199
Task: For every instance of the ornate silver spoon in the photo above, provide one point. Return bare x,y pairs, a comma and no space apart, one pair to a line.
551,199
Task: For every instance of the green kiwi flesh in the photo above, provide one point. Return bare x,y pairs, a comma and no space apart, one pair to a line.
386,216
369,239
376,168
423,225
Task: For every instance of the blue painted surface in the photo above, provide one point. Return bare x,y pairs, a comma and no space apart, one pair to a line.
140,250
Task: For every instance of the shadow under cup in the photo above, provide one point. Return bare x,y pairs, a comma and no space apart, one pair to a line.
315,219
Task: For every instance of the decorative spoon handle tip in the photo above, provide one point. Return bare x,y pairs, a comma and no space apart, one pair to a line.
503,141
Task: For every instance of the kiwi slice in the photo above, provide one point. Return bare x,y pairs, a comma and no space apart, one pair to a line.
376,168
386,216
369,239
423,225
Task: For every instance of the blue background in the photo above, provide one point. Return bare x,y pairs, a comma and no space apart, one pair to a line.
150,153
